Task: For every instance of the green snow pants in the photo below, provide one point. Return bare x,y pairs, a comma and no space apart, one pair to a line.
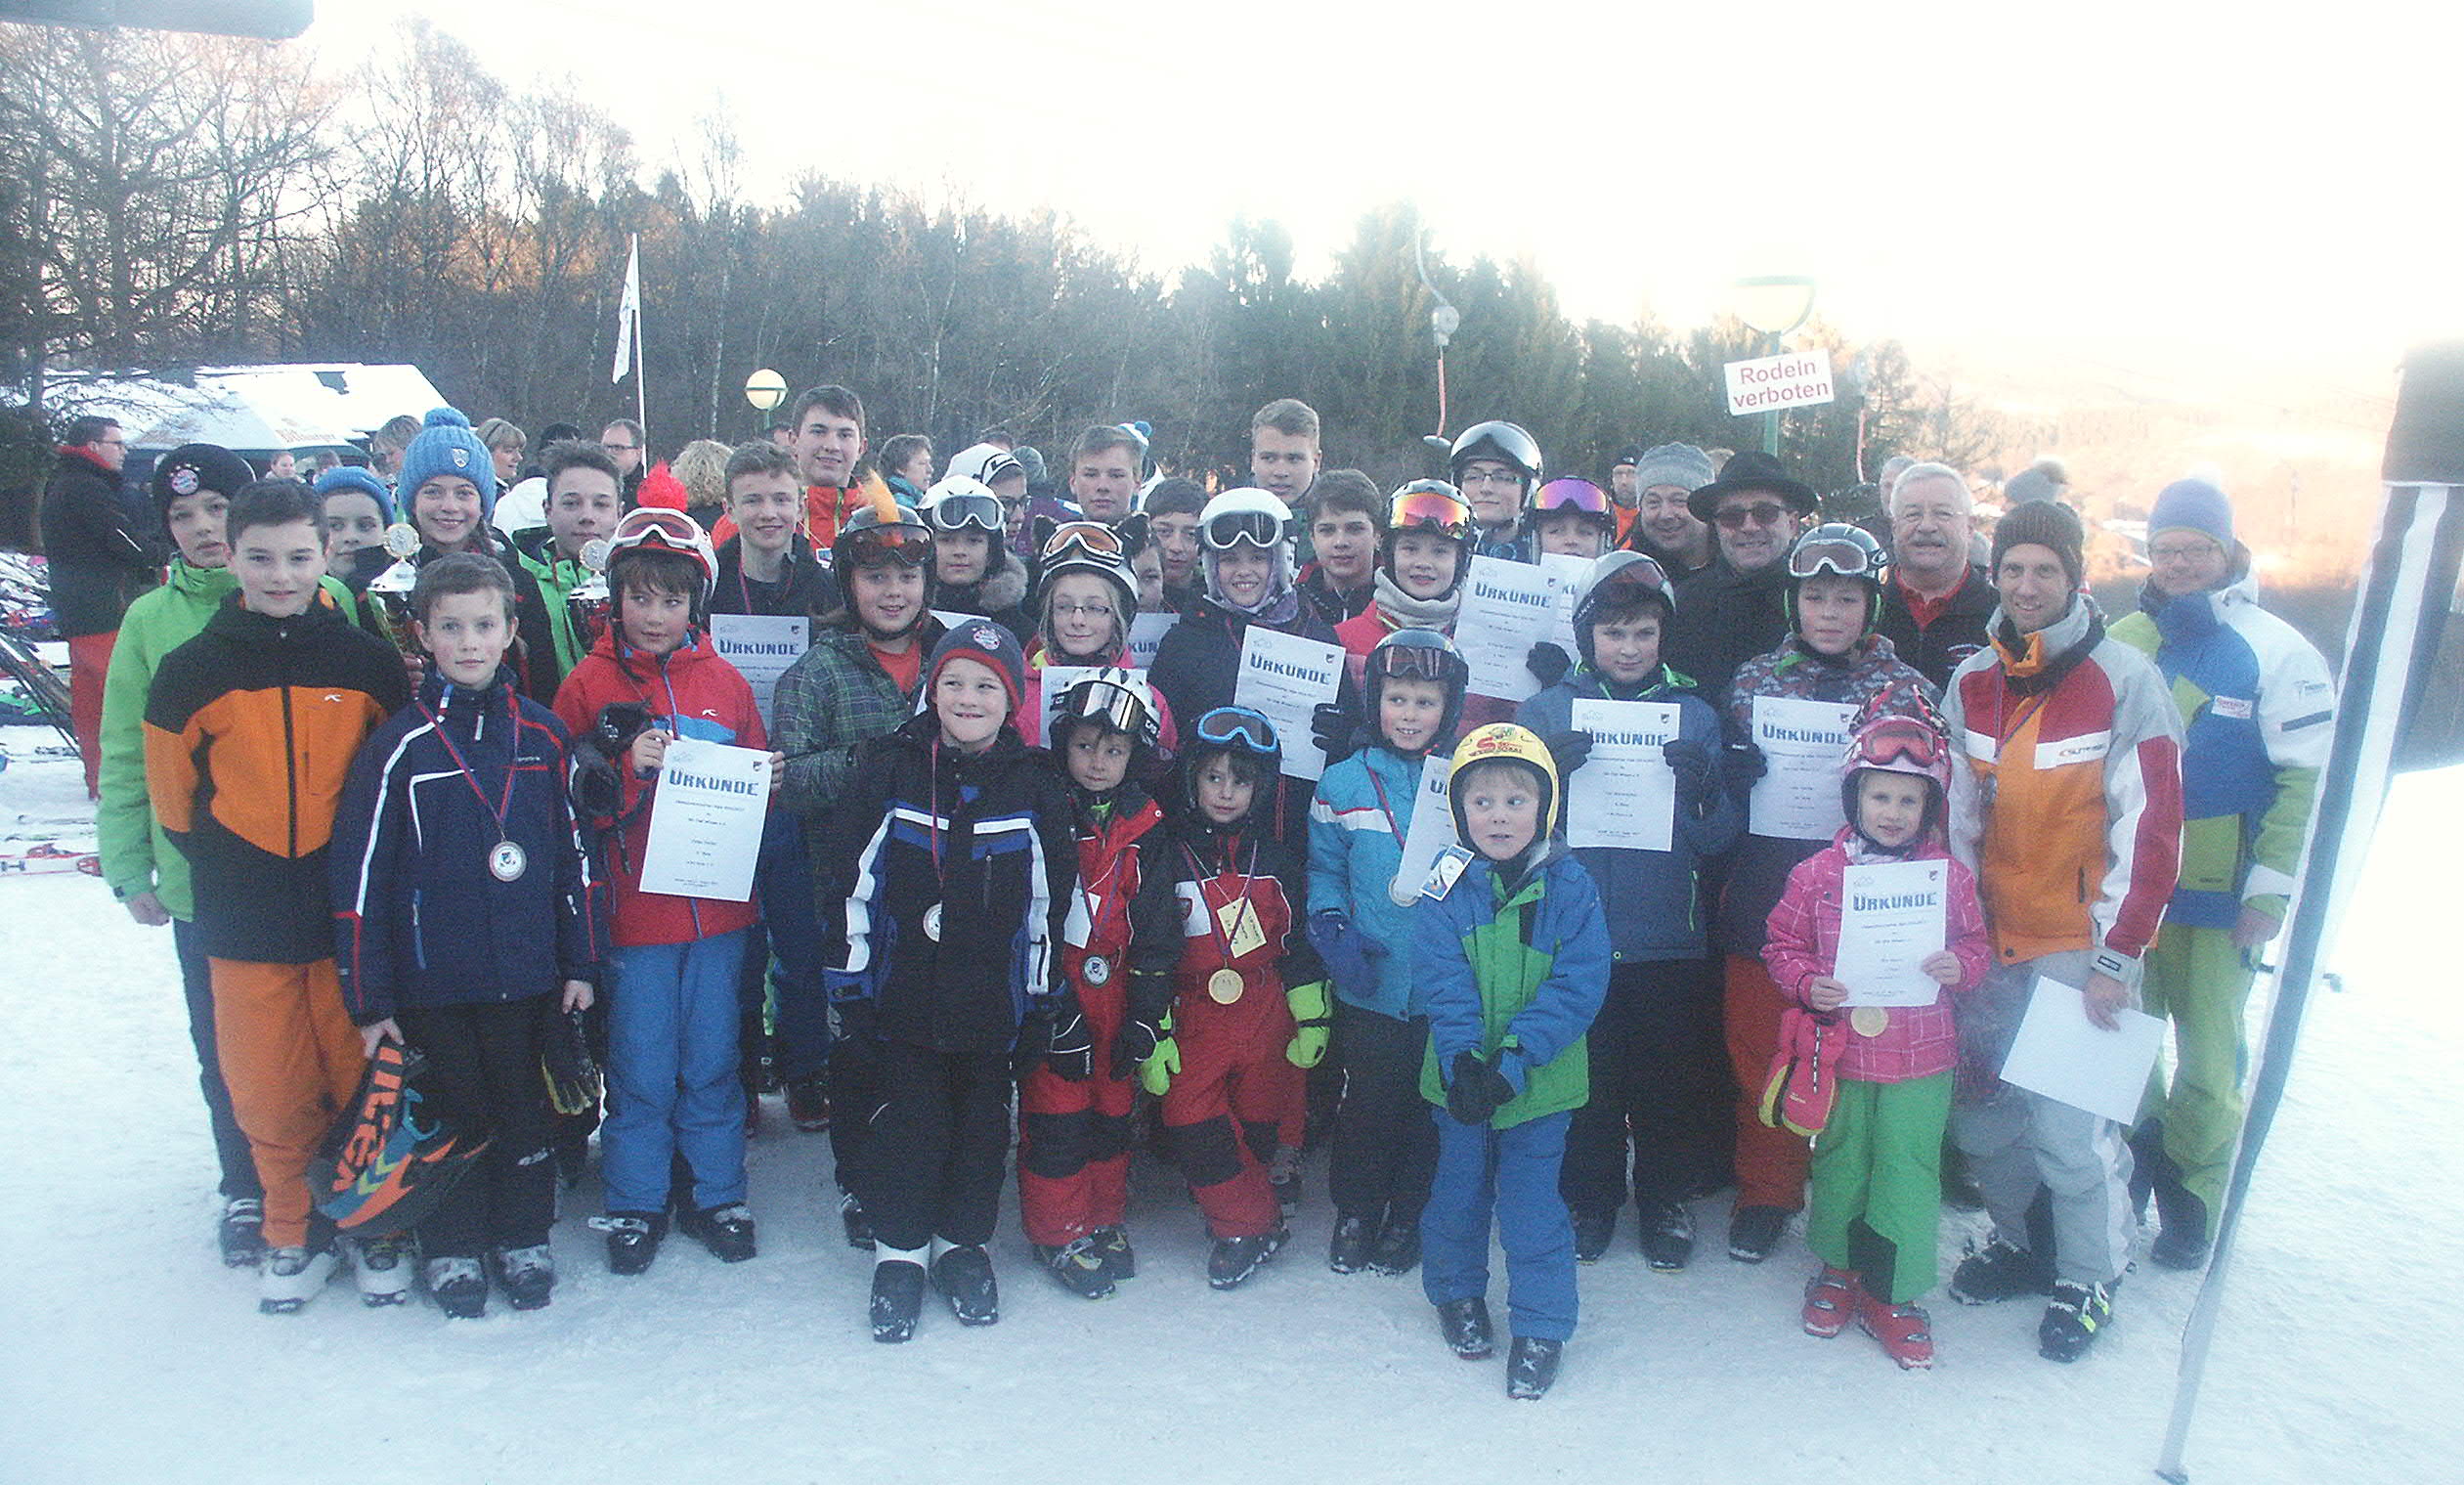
1878,1183
2197,978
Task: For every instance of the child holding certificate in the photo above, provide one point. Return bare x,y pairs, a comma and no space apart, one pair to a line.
1877,1166
674,961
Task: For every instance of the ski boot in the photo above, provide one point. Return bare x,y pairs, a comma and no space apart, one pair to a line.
1348,1250
963,1276
1754,1231
1120,1260
459,1286
897,1300
1669,1237
1594,1231
527,1275
2072,1322
1397,1246
240,1234
382,1267
1831,1297
1905,1330
859,1227
1532,1367
1464,1323
1235,1259
726,1230
633,1239
290,1277
1080,1266
2000,1270
809,1102
2184,1242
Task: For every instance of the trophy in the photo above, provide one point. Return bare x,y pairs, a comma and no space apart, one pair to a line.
389,591
587,604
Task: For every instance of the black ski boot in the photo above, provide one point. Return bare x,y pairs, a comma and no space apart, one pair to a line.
1532,1365
1669,1237
459,1286
809,1102
859,1227
1999,1271
1397,1246
2183,1243
1594,1231
1080,1266
1959,1191
1120,1260
963,1276
1348,1250
240,1234
633,1239
726,1230
2072,1322
527,1275
1235,1259
1754,1231
1464,1323
897,1300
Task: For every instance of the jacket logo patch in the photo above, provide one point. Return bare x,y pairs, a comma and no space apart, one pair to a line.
2236,707
2073,749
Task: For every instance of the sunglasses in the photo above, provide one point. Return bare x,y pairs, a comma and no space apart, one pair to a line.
1739,517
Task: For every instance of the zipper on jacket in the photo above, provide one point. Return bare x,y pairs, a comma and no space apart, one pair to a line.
418,938
290,771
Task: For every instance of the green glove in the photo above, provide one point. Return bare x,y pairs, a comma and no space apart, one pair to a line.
1309,1013
1155,1073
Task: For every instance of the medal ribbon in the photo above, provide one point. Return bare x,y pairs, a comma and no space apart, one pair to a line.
1249,878
513,715
1393,829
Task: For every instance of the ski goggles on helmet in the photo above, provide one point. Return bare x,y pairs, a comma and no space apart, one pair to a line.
1414,662
907,543
1820,550
1429,505
1087,538
1571,494
957,512
1229,529
1107,704
1241,729
1632,582
1898,740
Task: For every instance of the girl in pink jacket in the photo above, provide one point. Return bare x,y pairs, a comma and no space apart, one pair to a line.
1877,1163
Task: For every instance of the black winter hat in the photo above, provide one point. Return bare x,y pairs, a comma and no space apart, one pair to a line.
1752,469
2044,523
191,467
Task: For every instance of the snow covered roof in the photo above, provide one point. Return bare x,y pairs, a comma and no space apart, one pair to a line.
250,409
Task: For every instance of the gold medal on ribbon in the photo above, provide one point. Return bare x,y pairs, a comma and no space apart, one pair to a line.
1869,1021
1223,985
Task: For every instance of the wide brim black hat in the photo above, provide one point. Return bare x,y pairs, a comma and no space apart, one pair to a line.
1752,470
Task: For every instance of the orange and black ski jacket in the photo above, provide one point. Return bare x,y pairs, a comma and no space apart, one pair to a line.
250,730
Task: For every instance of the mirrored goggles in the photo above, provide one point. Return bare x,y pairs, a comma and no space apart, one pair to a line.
1090,538
1429,505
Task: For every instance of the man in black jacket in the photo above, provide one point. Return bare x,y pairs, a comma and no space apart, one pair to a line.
1737,608
101,560
1937,604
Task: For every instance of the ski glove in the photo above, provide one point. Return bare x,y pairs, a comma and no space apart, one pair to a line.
1478,1089
1547,664
1742,764
1352,956
1143,1025
1696,771
855,1020
1155,1074
1311,1014
1332,727
1569,750
1068,1042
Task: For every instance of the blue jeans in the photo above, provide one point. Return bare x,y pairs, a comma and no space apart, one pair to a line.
1512,1172
783,880
672,1074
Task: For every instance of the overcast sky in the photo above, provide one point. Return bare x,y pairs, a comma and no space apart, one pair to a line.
2126,179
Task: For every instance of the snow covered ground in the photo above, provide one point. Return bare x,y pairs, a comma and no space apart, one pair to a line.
131,1353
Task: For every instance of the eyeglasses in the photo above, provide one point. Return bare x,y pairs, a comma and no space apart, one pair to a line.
1238,728
621,447
2196,550
1082,610
1739,517
1472,477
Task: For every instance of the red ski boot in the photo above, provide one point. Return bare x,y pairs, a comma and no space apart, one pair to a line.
1832,1297
1905,1330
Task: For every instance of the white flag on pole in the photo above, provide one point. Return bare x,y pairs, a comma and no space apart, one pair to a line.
629,314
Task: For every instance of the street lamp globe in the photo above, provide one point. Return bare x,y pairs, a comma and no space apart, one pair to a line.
765,389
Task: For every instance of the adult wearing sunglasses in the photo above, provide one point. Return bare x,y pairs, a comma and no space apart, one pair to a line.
1737,607
1832,581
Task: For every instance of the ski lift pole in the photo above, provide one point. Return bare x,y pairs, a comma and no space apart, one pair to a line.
2394,632
1444,321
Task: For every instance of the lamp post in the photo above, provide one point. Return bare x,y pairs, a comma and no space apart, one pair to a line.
765,389
1772,305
